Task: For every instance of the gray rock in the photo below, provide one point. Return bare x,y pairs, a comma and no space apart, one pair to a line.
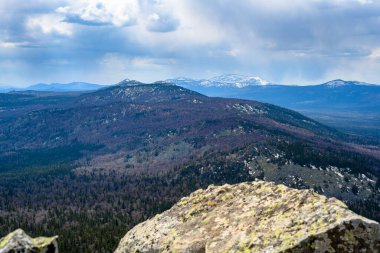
18,241
254,217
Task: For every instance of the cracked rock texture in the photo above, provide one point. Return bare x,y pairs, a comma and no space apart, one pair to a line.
254,217
19,242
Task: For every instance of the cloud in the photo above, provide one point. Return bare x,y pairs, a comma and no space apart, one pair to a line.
13,44
365,1
49,24
162,23
101,12
152,14
283,41
119,66
375,54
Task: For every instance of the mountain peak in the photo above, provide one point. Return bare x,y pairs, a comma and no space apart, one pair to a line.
227,80
337,83
238,81
132,90
129,82
166,83
341,83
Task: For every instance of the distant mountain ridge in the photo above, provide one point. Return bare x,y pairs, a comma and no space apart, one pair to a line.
333,95
222,81
341,83
58,87
352,105
55,87
242,81
229,80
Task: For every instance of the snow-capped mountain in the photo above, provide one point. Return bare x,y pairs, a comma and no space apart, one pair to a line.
340,83
237,81
231,80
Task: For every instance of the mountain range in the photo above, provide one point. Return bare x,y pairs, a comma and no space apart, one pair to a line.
350,106
54,87
90,165
334,95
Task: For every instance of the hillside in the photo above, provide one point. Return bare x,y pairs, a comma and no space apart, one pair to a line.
112,158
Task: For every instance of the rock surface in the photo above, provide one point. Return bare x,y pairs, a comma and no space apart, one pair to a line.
254,217
19,241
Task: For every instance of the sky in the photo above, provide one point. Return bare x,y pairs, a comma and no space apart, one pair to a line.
105,41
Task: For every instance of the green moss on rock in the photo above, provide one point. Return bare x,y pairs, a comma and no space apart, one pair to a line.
254,217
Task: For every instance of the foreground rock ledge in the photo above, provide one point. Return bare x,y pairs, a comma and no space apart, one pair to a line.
254,217
19,241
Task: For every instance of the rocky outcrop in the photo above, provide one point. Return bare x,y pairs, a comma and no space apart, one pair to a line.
254,217
18,241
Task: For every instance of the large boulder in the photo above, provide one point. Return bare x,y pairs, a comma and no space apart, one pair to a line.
254,217
18,241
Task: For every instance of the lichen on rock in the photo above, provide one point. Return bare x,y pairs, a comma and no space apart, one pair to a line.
254,217
19,241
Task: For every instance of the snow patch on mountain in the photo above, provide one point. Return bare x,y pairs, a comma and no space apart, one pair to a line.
341,83
231,80
237,81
